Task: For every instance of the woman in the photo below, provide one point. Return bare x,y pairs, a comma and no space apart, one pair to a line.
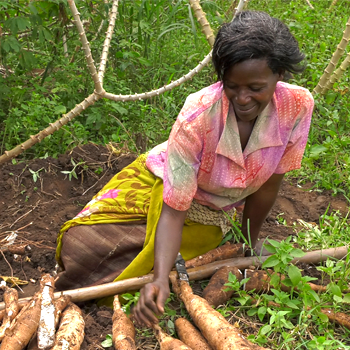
230,146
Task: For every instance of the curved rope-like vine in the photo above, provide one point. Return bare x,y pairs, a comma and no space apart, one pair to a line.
99,92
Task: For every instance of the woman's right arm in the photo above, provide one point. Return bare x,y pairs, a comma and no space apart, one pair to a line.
167,245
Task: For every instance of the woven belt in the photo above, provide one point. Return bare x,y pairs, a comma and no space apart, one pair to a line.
206,216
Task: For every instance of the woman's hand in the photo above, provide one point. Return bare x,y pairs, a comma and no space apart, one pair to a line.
166,246
151,302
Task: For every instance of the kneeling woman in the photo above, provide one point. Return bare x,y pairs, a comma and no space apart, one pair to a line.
230,146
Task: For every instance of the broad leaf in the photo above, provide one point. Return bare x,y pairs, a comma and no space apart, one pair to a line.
294,274
271,261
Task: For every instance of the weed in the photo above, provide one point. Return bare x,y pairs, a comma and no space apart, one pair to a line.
108,342
72,173
237,286
332,231
131,300
289,315
281,220
98,171
35,174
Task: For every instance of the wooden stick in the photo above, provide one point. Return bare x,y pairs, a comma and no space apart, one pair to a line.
321,86
163,89
197,273
310,5
334,2
337,74
86,47
107,43
200,15
90,101
240,7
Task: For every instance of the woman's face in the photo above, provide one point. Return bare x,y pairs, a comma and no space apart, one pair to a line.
249,86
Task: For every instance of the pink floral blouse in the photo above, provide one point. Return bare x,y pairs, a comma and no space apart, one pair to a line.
203,158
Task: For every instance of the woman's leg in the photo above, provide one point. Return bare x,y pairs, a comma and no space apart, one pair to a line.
95,254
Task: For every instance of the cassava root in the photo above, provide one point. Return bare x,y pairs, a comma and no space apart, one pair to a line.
216,293
167,342
26,325
190,335
12,308
70,334
227,251
123,330
220,334
46,329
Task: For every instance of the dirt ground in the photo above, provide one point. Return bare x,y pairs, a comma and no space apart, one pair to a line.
36,198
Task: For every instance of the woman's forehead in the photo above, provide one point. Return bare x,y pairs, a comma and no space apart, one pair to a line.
255,70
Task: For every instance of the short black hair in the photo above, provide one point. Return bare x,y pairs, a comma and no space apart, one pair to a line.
256,35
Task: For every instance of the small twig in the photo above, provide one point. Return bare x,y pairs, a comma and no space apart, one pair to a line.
44,192
21,228
309,3
334,2
24,215
24,274
3,255
248,323
38,244
4,225
95,183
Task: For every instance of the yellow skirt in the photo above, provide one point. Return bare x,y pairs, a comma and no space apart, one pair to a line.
135,195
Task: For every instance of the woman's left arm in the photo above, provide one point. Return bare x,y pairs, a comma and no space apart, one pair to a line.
257,207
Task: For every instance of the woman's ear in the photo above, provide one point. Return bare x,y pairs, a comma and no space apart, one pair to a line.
281,75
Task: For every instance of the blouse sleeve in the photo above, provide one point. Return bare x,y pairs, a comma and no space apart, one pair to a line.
294,151
183,159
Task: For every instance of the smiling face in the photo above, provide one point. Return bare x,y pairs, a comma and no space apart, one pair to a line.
249,85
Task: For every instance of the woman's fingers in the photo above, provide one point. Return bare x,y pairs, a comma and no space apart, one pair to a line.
162,297
146,307
151,303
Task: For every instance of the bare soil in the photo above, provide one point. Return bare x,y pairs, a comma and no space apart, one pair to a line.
36,198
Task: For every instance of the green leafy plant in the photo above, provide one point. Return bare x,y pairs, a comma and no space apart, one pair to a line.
35,174
333,230
108,342
131,300
237,286
72,173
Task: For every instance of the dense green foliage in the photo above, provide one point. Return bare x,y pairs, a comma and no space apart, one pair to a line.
295,318
154,42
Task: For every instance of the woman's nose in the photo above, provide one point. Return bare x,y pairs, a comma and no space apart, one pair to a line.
242,97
